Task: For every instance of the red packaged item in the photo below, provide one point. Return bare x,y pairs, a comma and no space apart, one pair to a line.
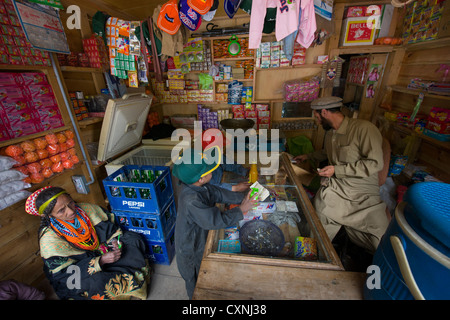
11,105
70,143
42,153
28,146
67,164
51,138
46,163
238,115
14,92
10,79
56,158
13,151
34,167
356,11
39,90
74,159
4,135
21,123
33,78
53,149
46,172
50,118
36,177
31,157
40,143
57,167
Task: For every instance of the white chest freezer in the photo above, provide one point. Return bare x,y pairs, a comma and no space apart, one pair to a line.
122,130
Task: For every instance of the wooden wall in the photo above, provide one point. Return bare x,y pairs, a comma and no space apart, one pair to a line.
422,60
19,249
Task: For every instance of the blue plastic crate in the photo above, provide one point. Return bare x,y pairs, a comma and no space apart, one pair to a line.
161,252
152,226
139,196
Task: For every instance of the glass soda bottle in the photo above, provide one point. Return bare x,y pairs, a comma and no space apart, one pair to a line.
145,178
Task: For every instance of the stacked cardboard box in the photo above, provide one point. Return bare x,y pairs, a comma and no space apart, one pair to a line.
14,46
27,104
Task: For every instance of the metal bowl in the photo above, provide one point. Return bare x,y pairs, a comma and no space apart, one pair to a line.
261,237
244,124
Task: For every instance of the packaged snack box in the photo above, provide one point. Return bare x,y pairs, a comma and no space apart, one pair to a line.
305,248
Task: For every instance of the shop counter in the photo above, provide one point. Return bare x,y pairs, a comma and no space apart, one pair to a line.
238,274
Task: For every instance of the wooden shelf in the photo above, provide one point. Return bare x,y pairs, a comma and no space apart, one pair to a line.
366,49
23,67
440,144
229,80
417,92
301,66
88,121
427,45
80,69
32,136
232,59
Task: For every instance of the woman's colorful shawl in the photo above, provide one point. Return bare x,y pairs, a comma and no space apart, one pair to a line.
76,274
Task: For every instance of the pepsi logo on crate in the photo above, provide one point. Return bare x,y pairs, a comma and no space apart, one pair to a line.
139,188
154,227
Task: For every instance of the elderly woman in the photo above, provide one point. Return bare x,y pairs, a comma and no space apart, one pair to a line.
85,255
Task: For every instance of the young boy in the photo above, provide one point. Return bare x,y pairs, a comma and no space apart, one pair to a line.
197,213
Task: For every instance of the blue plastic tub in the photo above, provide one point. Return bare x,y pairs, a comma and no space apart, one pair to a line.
126,195
414,253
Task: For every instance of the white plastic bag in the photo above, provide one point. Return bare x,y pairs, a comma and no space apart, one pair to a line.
13,198
10,175
12,186
6,163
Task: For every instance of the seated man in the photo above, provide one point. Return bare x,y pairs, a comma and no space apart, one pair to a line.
85,255
350,196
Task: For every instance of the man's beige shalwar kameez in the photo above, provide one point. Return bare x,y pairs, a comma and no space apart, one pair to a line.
352,196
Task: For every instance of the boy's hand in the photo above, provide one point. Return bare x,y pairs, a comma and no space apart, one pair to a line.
248,203
240,187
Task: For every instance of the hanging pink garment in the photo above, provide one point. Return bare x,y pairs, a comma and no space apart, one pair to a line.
286,21
307,23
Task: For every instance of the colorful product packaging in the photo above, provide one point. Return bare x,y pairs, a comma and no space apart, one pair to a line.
439,120
305,248
355,32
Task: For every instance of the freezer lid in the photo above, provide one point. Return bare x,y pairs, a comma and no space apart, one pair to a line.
123,124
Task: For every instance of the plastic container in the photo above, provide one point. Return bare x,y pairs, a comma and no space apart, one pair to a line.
138,196
161,252
414,253
153,226
253,174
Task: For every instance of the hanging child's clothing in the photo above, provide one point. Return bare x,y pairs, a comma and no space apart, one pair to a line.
286,23
307,23
291,17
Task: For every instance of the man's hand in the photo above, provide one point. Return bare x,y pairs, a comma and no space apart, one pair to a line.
301,158
327,171
248,203
241,186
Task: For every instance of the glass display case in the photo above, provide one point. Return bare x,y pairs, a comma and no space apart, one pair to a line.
287,209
